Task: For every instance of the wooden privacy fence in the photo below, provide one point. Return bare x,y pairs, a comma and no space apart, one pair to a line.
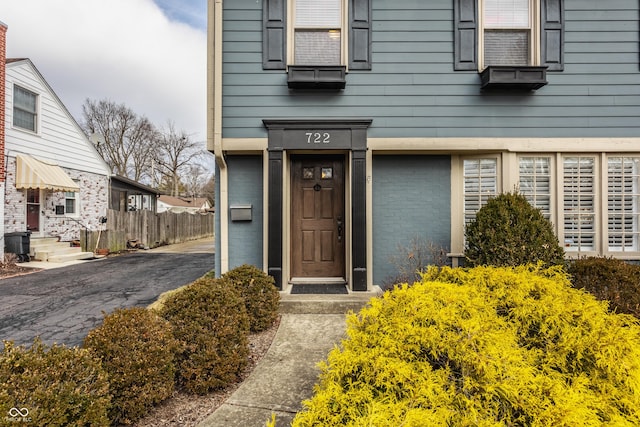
147,228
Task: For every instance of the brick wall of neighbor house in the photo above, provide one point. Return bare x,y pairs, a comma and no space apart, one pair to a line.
93,205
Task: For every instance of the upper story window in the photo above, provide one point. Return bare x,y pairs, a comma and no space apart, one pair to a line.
25,109
317,32
508,32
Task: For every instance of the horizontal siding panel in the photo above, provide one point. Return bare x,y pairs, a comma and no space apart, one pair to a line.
412,90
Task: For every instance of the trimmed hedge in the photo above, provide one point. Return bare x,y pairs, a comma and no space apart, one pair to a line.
609,279
508,231
57,385
210,322
260,295
482,347
136,348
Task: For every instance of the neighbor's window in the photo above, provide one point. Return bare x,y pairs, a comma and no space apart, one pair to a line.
317,32
624,204
25,105
579,203
71,200
535,182
480,184
508,32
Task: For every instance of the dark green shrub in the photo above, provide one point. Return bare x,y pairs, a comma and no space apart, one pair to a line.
57,385
210,321
482,347
508,231
137,349
261,297
609,279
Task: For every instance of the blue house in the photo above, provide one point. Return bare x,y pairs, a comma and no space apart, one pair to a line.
344,128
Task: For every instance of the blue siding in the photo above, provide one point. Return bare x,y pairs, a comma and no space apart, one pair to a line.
411,197
245,187
412,90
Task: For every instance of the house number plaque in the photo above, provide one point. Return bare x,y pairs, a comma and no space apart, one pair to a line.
316,139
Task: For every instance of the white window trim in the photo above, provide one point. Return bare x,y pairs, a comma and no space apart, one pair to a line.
344,33
534,47
37,108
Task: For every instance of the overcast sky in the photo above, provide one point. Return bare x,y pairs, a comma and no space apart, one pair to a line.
149,55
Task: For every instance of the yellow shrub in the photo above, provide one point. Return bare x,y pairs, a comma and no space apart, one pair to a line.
482,347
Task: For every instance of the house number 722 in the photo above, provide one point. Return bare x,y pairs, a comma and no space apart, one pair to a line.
318,137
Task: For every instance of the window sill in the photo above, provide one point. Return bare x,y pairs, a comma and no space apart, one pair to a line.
513,78
317,77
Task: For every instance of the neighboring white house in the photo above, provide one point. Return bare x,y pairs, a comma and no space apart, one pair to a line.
183,204
57,184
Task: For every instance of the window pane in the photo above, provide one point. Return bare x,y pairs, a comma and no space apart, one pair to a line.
320,47
24,108
579,203
623,203
318,13
480,184
506,47
506,13
535,182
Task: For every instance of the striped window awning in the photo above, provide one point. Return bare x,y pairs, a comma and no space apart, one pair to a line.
34,173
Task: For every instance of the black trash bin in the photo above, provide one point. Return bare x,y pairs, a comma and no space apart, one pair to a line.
18,243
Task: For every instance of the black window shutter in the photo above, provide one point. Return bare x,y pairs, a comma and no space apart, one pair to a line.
274,35
552,34
360,36
465,34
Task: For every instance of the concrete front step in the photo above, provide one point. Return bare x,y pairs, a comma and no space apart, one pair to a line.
77,255
325,304
51,250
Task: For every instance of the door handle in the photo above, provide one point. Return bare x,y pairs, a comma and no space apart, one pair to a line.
339,222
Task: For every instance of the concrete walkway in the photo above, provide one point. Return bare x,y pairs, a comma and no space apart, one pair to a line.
311,325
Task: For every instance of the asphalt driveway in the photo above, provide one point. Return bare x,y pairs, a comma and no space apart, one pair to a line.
63,304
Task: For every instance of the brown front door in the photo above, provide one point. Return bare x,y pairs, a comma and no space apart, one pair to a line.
317,222
33,209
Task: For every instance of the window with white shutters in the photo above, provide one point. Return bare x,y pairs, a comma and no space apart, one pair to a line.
535,182
480,184
579,203
623,204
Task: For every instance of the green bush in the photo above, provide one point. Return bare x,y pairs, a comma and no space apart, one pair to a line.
609,279
260,295
137,349
210,322
508,231
482,347
57,385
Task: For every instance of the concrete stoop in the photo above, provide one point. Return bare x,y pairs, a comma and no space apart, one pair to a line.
51,250
325,304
